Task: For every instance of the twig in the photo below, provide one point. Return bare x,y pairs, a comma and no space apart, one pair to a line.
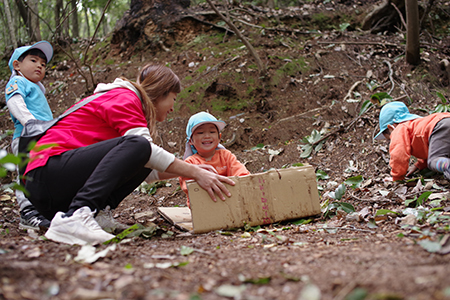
261,66
360,43
390,75
350,91
367,200
399,14
299,115
406,93
352,229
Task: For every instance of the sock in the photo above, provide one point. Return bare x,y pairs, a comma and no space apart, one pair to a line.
442,164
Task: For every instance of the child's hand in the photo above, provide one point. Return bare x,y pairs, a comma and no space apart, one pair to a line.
388,179
412,169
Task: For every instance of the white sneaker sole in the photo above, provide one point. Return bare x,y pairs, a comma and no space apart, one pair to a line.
63,238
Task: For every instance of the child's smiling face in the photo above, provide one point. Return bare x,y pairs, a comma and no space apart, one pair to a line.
32,67
205,139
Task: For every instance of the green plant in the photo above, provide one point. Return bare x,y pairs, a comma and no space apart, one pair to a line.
444,106
418,201
312,142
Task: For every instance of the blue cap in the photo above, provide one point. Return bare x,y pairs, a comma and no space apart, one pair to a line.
195,121
393,112
44,46
201,118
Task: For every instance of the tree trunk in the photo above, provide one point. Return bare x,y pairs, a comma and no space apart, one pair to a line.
11,29
384,17
57,10
158,14
88,28
33,13
74,11
412,34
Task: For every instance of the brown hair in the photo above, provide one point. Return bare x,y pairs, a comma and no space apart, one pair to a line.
153,83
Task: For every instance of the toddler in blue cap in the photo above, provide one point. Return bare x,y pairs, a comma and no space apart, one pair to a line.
25,98
203,148
425,138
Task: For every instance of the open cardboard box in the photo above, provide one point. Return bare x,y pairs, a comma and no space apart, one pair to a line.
257,199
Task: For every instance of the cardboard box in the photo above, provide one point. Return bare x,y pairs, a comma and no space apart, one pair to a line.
257,199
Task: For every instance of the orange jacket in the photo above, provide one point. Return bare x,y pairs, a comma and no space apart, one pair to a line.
408,139
225,163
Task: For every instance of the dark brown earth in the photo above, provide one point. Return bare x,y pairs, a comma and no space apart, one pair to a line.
339,256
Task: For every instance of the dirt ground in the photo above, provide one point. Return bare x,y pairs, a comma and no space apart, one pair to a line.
335,256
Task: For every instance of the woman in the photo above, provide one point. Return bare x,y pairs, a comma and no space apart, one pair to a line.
103,151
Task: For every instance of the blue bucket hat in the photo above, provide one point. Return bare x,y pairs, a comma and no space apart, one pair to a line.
393,112
195,121
44,46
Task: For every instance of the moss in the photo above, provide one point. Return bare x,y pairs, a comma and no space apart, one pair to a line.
291,68
109,61
223,104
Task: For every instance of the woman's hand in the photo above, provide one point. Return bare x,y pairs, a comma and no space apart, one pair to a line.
208,168
210,181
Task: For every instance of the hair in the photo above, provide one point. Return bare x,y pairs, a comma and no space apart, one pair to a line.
153,83
34,51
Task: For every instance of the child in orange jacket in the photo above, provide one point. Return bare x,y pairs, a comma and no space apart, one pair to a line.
426,138
203,148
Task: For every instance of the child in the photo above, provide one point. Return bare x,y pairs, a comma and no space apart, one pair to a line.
425,138
202,147
26,100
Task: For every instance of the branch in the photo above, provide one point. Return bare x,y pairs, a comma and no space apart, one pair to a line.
399,14
261,67
390,75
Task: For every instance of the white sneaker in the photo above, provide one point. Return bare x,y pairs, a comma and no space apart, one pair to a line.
80,228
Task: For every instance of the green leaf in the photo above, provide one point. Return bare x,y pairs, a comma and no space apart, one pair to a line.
123,234
261,280
430,246
307,149
343,26
298,165
354,182
184,250
423,198
347,207
409,201
338,192
302,221
443,100
322,175
259,146
357,294
382,212
366,105
381,96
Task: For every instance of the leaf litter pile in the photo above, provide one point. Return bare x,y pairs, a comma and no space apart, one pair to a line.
375,239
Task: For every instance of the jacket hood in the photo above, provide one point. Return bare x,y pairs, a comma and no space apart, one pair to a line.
118,83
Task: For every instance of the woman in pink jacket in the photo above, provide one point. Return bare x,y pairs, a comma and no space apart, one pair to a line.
103,151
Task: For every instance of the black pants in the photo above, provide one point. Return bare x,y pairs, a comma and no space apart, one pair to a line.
98,175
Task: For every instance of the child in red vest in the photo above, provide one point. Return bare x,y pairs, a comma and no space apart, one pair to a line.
426,138
203,148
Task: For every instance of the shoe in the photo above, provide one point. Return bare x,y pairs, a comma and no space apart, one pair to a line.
30,218
106,221
80,228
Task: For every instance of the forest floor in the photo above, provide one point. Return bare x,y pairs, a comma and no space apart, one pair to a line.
318,80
